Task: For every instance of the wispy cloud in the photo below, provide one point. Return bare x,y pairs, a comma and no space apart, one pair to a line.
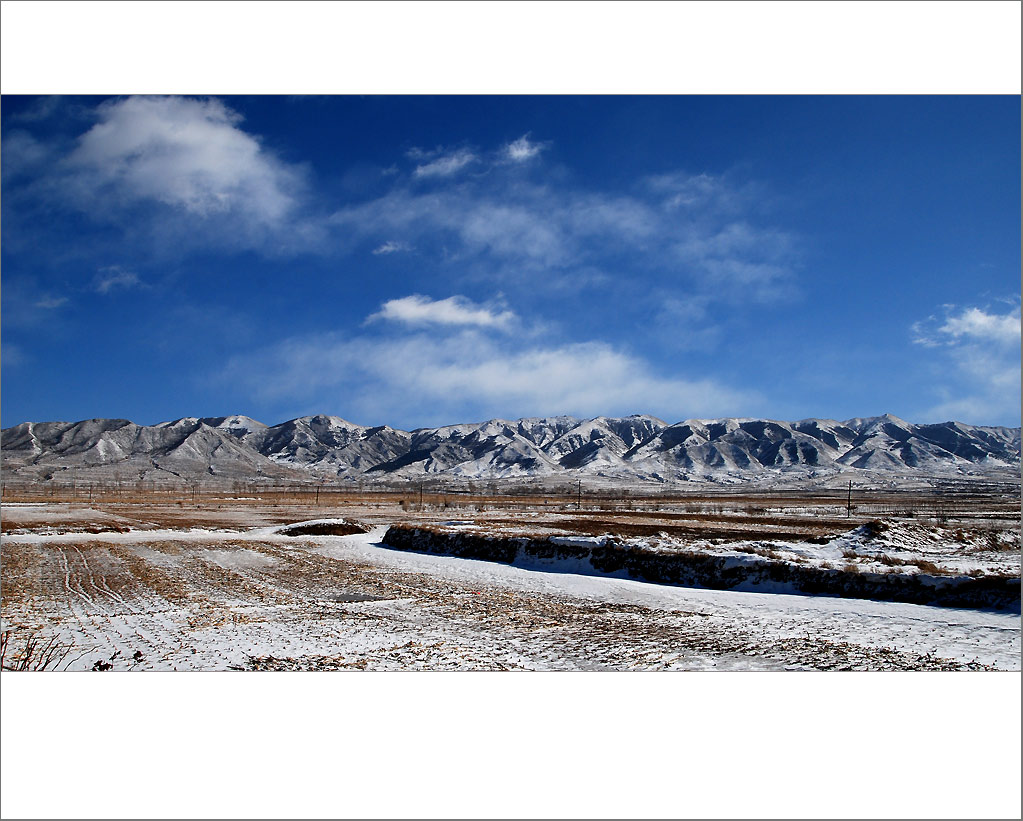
522,149
50,302
114,277
29,304
391,247
454,310
978,353
446,164
42,108
709,193
699,232
23,154
12,356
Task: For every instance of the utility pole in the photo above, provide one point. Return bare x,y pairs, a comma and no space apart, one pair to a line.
579,500
848,504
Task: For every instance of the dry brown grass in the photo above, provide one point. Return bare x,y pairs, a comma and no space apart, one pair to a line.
29,571
929,567
171,586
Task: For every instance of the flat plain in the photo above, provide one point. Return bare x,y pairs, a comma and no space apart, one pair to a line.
193,579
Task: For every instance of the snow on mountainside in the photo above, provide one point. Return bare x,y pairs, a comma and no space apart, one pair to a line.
238,426
634,448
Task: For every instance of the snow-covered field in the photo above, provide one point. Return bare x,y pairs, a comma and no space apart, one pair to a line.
134,588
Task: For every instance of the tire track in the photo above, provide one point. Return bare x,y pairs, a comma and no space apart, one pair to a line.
86,631
126,628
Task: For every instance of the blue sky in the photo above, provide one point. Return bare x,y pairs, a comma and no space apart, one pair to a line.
416,261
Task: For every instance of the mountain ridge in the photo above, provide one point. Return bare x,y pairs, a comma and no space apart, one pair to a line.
639,448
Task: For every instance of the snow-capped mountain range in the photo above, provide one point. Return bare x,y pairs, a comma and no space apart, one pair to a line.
633,448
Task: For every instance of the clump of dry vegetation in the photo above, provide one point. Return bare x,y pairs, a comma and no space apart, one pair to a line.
35,655
929,567
757,550
874,528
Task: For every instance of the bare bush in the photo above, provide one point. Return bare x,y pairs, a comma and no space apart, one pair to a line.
37,654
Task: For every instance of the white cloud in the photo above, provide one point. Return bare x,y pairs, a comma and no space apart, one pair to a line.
114,277
977,353
186,153
49,302
703,193
584,378
445,165
470,373
969,326
973,323
391,247
172,173
455,310
522,149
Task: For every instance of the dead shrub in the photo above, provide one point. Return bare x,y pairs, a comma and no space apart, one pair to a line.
37,654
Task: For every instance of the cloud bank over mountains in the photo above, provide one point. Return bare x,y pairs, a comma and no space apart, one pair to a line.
451,354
